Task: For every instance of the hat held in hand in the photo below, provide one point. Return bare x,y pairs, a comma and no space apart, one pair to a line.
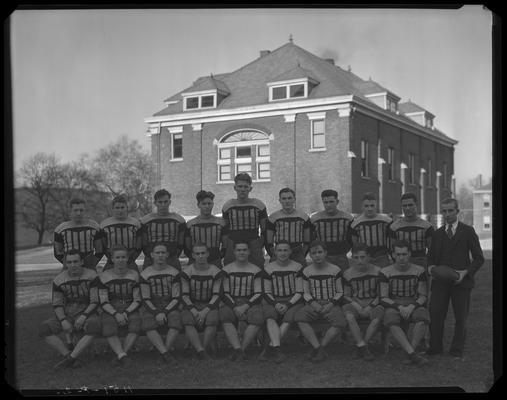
444,273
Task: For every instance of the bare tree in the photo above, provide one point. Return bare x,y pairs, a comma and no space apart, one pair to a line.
39,176
124,167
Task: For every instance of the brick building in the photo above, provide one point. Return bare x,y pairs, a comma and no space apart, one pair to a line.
290,118
483,210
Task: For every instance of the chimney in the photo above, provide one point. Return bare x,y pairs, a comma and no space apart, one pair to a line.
265,52
479,181
329,60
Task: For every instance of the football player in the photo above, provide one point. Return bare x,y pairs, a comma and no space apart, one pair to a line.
79,233
403,293
372,228
361,298
289,224
75,301
207,229
322,292
163,227
332,227
245,216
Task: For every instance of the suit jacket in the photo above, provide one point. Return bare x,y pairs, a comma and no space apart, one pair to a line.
465,243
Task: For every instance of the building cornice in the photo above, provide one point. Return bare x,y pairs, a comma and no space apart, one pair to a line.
294,107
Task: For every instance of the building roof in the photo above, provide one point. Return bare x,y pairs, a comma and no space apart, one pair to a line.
410,107
247,86
489,186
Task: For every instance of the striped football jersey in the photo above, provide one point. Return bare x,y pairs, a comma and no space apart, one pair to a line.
293,227
119,289
209,231
282,281
168,229
361,286
124,232
403,287
418,233
84,237
81,290
160,288
242,281
322,284
373,232
198,286
333,230
244,218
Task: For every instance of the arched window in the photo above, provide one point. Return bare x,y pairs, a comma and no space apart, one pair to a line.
244,151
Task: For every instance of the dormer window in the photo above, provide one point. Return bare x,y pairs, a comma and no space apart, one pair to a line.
288,91
429,122
195,101
291,89
391,105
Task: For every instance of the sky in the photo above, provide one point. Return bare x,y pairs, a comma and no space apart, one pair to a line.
83,78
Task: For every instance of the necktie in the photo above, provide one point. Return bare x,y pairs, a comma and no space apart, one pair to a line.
449,231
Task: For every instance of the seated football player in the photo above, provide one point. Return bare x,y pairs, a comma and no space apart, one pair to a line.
160,293
201,283
361,298
120,300
322,292
283,295
75,301
242,294
403,293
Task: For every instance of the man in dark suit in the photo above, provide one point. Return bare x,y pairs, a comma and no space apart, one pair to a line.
451,245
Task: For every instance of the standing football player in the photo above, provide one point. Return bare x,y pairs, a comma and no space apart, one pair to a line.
79,233
245,215
121,229
332,227
289,224
207,229
163,227
372,228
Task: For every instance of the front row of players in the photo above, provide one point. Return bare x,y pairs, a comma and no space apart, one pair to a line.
162,300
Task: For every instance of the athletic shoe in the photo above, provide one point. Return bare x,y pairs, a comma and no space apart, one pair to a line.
320,356
65,363
416,359
265,354
312,353
77,364
279,357
125,361
433,352
168,358
203,356
366,353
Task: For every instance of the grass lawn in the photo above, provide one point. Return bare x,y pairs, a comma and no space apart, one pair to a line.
35,360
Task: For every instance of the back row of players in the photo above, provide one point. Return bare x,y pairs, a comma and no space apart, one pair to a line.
276,295
242,219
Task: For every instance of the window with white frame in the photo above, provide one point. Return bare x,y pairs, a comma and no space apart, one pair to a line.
293,91
199,101
364,159
176,146
390,164
244,151
318,140
486,201
411,169
486,219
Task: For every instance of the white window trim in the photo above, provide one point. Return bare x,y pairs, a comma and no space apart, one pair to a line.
243,160
287,85
218,177
172,147
484,223
312,120
257,167
199,101
224,161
